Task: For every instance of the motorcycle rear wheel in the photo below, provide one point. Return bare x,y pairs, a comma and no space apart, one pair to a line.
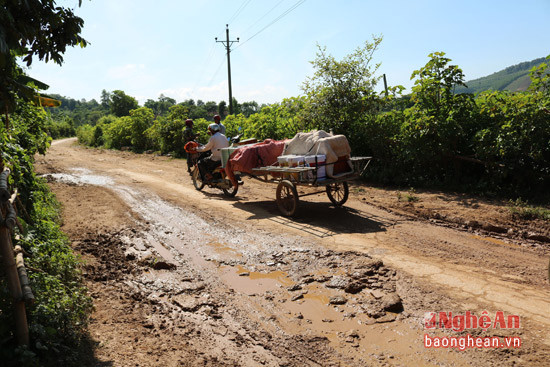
197,180
231,192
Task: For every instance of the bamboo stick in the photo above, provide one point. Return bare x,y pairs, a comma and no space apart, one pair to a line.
28,296
12,277
4,193
13,197
11,217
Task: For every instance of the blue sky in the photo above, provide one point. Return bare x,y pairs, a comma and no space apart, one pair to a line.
146,48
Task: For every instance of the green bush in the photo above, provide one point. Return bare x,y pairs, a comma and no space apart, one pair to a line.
61,129
85,134
494,143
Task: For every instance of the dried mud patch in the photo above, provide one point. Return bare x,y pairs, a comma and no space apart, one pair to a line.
461,211
177,317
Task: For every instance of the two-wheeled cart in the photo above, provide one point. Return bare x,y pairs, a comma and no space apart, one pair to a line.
288,178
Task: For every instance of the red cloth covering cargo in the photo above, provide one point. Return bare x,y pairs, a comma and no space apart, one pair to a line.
253,156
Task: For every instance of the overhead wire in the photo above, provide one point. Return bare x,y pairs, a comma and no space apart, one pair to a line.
238,11
285,13
206,65
263,16
216,73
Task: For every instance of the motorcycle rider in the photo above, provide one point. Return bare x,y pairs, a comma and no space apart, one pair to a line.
217,120
215,143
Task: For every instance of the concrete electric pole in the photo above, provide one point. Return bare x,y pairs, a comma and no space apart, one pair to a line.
227,43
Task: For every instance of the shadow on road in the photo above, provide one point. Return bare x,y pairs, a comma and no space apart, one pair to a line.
318,219
87,352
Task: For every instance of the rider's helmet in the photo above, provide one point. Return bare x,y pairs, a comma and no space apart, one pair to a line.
217,118
214,128
189,122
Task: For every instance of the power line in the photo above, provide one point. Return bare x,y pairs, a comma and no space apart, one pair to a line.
263,16
285,13
205,66
216,73
238,11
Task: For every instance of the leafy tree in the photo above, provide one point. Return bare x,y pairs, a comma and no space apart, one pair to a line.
141,120
98,137
166,133
341,92
222,109
540,82
122,104
178,112
105,99
211,109
433,90
32,28
249,108
118,133
161,106
236,106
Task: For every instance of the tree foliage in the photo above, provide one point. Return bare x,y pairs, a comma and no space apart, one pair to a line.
340,92
32,28
59,315
29,29
121,104
494,143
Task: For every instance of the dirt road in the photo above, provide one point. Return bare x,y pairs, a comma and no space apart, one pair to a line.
181,277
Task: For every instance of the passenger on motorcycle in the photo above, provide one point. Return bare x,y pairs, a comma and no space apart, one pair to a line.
215,143
189,135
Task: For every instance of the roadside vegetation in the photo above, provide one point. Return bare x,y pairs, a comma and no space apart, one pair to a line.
495,143
523,210
57,319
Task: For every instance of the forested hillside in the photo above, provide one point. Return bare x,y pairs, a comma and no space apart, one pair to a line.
80,112
514,78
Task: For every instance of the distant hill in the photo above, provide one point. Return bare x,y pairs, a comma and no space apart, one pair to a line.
513,78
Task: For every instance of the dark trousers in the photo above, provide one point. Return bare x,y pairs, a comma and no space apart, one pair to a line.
207,165
191,160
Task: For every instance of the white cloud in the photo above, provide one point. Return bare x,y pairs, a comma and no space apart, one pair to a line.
127,71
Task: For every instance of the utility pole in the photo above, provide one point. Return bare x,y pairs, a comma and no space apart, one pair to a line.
227,43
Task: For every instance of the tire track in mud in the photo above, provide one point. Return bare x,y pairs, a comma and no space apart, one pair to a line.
473,285
301,303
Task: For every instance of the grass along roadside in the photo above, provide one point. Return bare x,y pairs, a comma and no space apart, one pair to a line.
522,209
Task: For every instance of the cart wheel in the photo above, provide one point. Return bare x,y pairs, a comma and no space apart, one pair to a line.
338,193
287,198
197,181
231,192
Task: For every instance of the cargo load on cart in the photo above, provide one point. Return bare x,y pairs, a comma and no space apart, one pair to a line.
312,159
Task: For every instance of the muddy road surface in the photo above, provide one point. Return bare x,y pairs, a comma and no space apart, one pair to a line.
186,278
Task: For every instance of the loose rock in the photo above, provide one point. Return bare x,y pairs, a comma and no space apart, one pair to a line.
337,300
392,302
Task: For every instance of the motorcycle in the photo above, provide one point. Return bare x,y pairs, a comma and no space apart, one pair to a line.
215,179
